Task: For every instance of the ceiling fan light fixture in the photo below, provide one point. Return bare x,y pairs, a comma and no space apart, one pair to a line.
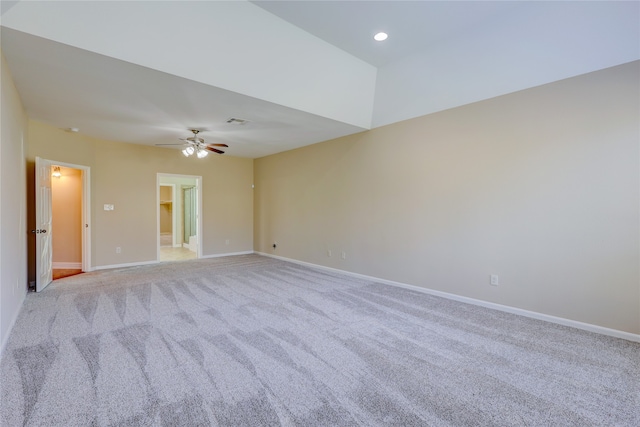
197,146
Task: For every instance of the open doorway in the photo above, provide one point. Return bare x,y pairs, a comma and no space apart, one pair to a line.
69,185
66,221
168,215
179,213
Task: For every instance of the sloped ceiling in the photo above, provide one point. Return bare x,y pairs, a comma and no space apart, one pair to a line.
300,72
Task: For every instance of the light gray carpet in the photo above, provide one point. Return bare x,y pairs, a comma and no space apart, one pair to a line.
253,341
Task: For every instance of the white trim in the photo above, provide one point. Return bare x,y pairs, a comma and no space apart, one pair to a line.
86,219
199,232
199,227
505,308
192,247
129,264
86,214
67,265
86,211
228,254
137,264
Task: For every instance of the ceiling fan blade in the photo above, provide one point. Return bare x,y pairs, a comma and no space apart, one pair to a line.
215,150
168,144
218,145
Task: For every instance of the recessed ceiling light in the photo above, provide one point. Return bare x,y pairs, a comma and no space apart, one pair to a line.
380,37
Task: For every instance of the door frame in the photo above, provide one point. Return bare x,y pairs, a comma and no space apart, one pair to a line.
86,212
198,185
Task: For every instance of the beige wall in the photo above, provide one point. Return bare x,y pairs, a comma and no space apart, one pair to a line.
125,175
540,187
66,208
13,231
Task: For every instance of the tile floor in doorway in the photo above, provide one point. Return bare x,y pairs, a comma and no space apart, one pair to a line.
169,253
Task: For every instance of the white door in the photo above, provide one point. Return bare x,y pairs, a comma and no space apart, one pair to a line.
43,224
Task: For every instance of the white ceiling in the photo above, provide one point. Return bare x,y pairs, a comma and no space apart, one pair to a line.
413,26
116,100
300,72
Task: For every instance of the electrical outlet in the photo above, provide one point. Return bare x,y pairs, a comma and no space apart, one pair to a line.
495,280
226,242
118,250
329,253
344,255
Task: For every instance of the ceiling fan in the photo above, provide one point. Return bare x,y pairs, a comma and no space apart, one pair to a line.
196,145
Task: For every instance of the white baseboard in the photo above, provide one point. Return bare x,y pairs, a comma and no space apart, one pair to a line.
136,264
67,265
508,309
130,264
227,254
